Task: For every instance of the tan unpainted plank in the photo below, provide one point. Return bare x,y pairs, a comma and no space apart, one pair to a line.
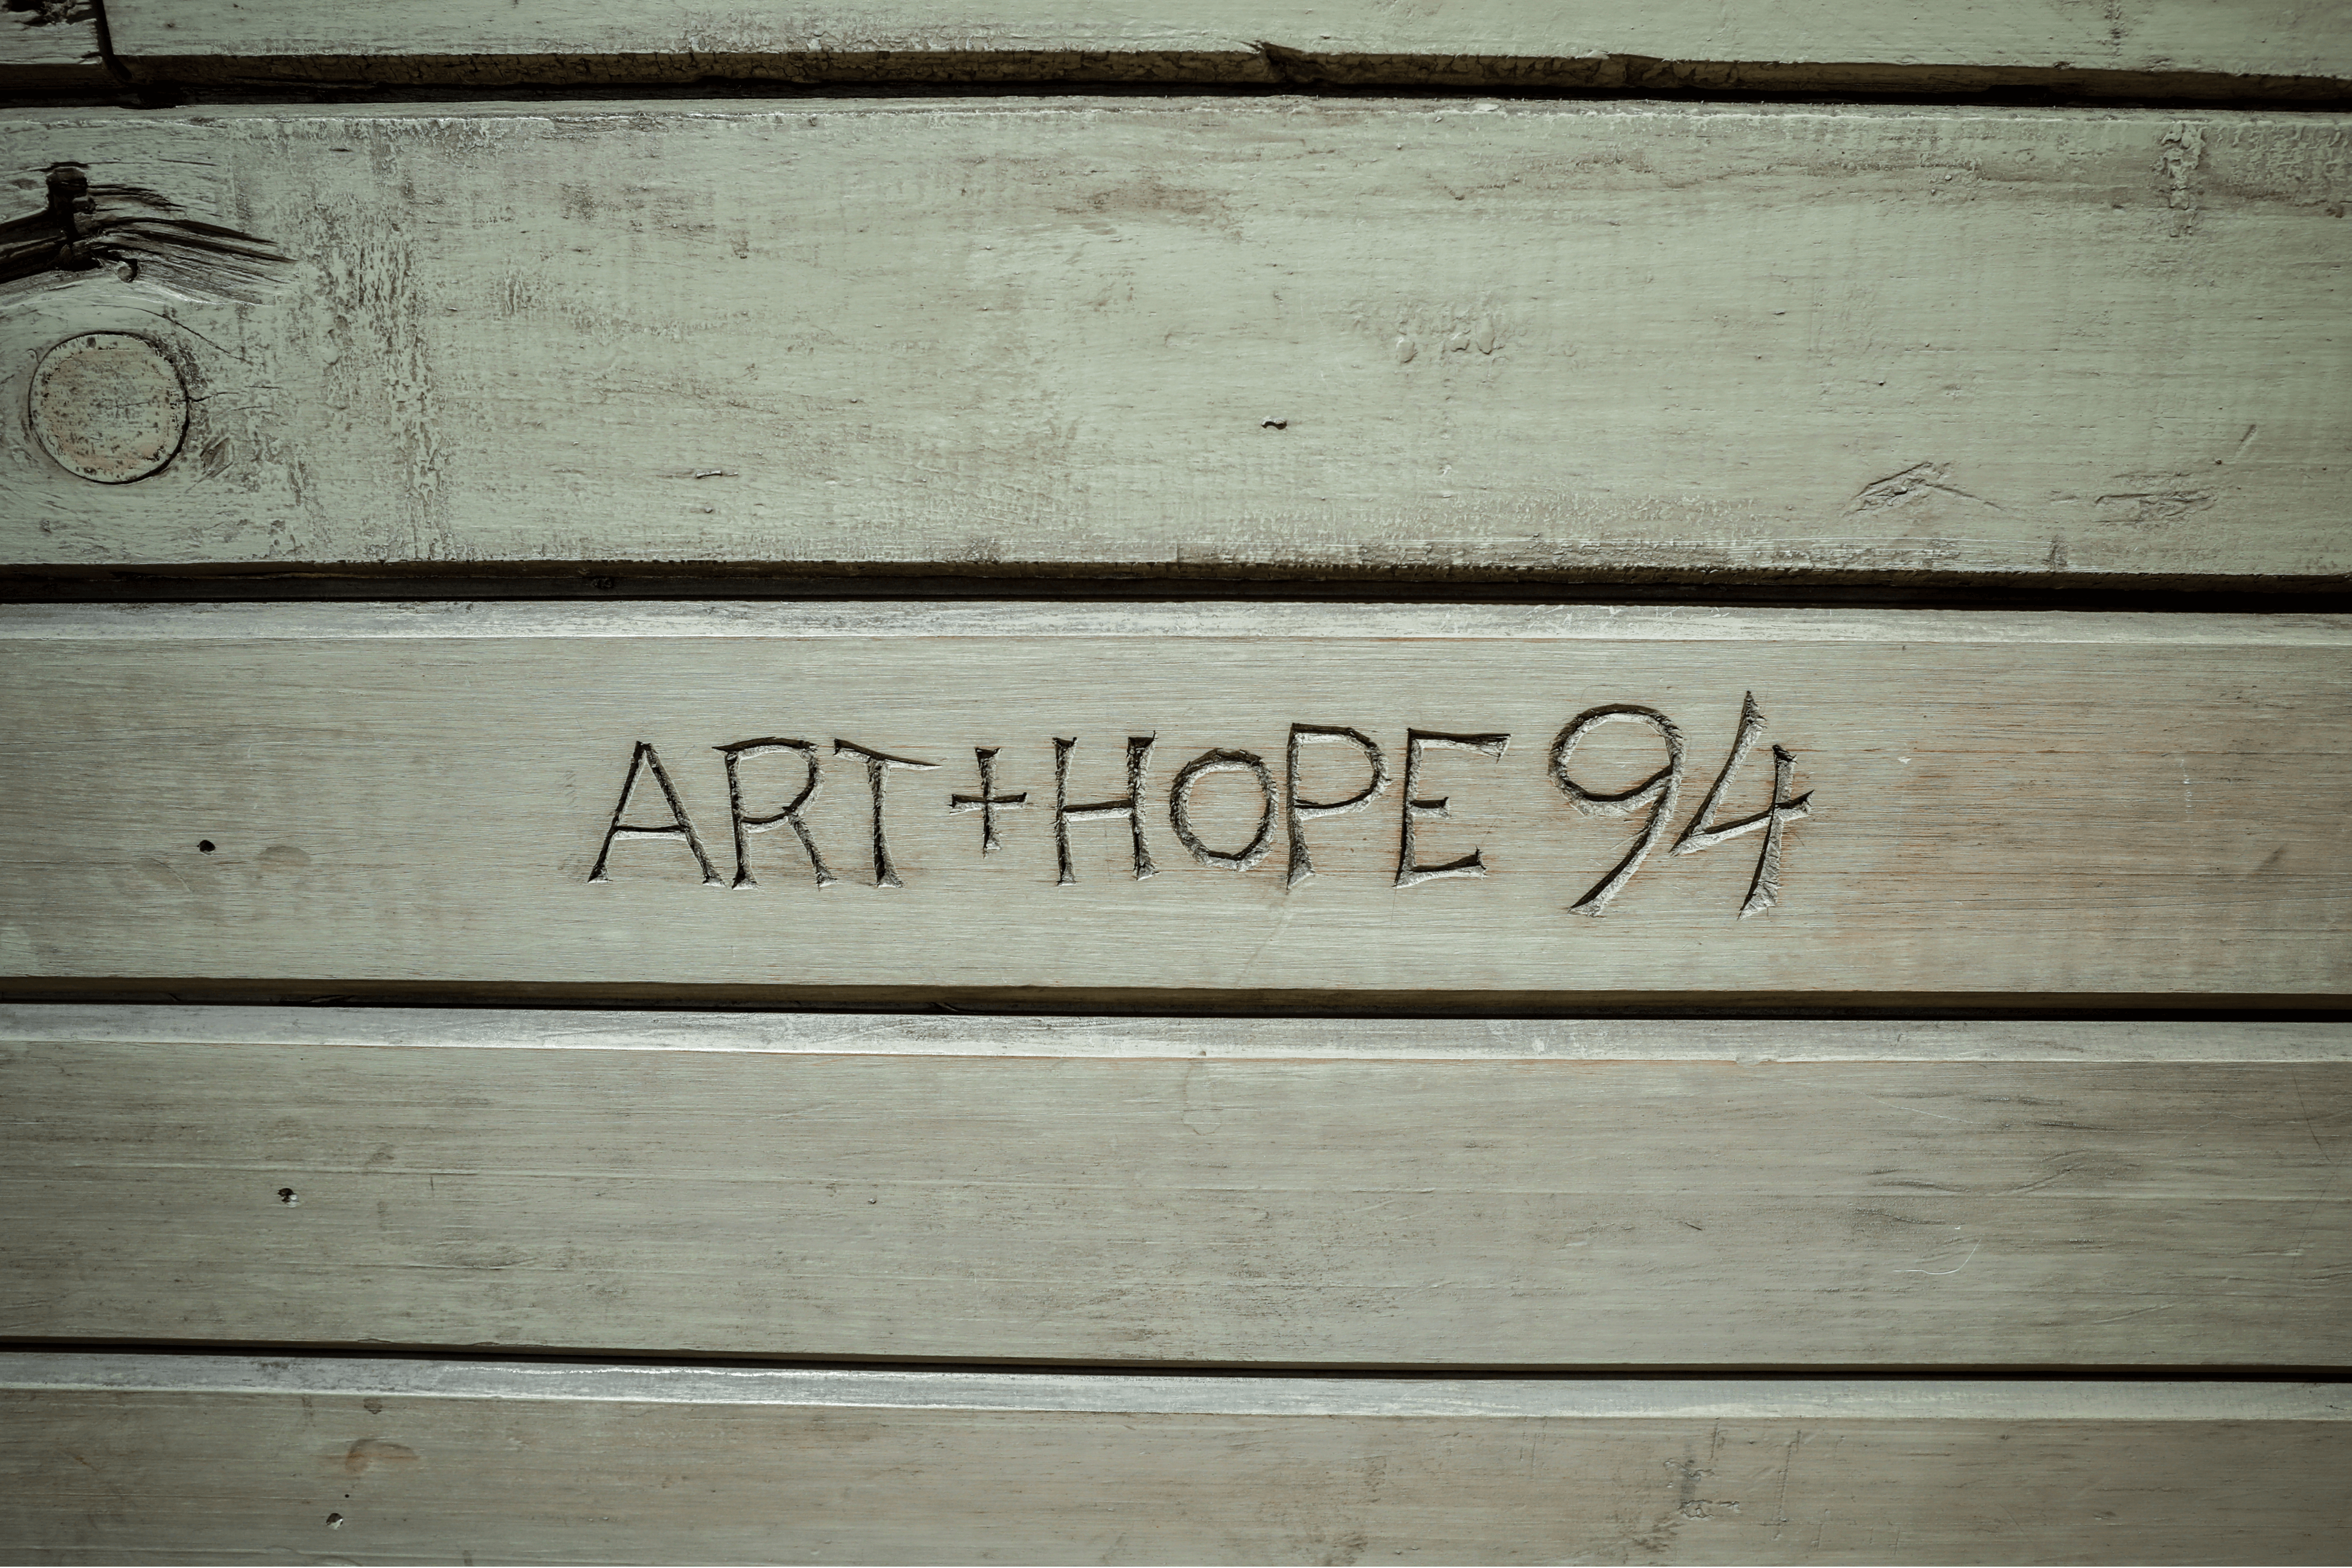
463,795
229,1459
1210,334
2167,46
51,46
1276,1192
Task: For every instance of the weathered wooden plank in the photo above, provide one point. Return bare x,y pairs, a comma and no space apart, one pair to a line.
199,1458
1273,1193
1195,336
51,46
2164,47
1932,804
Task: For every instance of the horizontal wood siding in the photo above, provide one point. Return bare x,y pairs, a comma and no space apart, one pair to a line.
1443,1079
1265,334
1336,1194
1997,807
203,1459
2244,46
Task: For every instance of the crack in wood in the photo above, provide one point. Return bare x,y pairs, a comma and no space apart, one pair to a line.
84,227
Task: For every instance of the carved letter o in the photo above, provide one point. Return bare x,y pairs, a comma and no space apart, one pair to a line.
1180,807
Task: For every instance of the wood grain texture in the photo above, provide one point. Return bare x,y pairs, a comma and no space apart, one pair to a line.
2161,46
52,45
203,1459
1271,335
1205,1191
2000,806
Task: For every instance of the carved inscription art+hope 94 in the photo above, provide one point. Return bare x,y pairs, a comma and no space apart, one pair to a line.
1659,795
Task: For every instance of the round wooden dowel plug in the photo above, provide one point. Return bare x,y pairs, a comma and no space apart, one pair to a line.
109,406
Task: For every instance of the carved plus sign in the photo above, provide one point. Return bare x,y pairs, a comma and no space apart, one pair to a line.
987,800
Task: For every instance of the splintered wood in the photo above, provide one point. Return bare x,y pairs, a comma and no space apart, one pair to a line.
1219,800
1202,335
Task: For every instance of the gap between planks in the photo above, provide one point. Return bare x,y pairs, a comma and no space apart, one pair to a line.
1744,1042
1453,1396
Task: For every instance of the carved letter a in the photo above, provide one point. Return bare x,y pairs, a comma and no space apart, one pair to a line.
678,826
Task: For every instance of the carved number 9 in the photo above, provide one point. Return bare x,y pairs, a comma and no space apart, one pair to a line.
1663,789
1659,792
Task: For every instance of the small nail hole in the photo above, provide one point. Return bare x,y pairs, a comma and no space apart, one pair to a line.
204,845
286,1196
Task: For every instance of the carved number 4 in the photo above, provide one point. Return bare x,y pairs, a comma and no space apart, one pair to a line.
1764,888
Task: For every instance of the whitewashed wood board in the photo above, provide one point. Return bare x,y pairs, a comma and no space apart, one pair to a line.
51,46
1986,805
1296,1193
1210,334
202,1459
2153,46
